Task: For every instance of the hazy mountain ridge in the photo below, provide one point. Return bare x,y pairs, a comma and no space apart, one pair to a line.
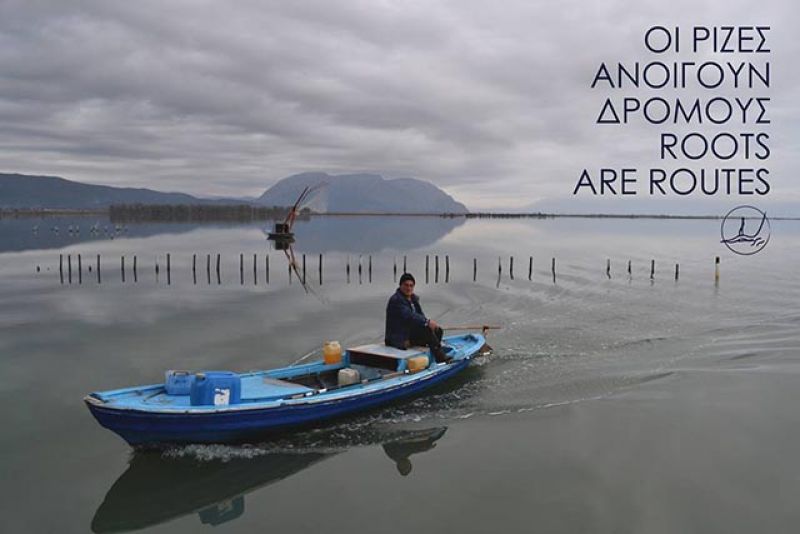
25,191
364,193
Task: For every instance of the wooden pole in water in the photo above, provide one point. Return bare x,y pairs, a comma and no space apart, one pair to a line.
370,268
553,268
716,269
194,269
608,267
320,269
241,268
266,268
122,268
98,268
348,269
219,274
360,270
69,267
427,264
474,269
169,271
61,267
511,267
446,269
255,269
208,268
304,269
436,269
80,270
629,267
135,275
395,269
404,265
530,268
677,268
499,266
156,269
652,269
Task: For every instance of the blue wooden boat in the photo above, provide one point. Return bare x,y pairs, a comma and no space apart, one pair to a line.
216,407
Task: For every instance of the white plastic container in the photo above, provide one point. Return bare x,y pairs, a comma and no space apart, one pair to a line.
347,377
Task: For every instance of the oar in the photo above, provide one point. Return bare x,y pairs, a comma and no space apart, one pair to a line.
482,327
485,349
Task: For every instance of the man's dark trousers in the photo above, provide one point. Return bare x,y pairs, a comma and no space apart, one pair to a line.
422,335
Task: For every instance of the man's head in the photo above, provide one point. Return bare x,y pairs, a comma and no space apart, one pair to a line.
407,283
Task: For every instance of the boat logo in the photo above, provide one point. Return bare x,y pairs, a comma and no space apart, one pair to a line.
745,230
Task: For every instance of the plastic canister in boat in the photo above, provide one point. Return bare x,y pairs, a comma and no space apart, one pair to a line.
332,352
417,363
215,388
178,382
348,376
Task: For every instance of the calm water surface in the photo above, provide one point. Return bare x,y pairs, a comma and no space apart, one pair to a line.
613,403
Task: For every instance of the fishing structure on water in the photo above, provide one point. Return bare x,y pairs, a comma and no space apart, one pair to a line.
282,233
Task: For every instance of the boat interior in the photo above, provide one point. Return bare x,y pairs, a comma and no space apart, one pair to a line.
371,362
355,366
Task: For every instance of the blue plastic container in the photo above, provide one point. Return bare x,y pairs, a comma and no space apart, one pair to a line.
178,382
216,388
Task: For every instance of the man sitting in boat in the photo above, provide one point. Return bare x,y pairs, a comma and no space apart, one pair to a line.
406,324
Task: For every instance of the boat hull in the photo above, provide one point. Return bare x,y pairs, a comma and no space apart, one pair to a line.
139,427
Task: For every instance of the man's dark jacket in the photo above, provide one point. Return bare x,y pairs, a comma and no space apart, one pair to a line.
402,315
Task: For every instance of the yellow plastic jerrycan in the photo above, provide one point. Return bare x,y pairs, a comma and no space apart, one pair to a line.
332,352
417,363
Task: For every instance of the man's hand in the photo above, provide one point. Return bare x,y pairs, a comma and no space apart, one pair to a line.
432,324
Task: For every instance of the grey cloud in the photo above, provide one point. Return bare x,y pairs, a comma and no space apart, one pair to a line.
489,100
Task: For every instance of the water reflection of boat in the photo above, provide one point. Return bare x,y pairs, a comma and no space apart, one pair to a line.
401,449
155,489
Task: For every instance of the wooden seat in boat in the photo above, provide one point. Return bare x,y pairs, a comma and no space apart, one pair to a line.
384,356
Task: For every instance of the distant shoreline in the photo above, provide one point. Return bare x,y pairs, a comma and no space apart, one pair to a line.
46,212
55,212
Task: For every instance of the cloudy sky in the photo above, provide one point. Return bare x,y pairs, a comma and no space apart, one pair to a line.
488,100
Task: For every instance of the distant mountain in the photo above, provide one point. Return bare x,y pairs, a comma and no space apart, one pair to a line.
369,193
23,191
362,193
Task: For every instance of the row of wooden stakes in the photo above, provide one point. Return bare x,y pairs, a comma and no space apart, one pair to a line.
299,270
